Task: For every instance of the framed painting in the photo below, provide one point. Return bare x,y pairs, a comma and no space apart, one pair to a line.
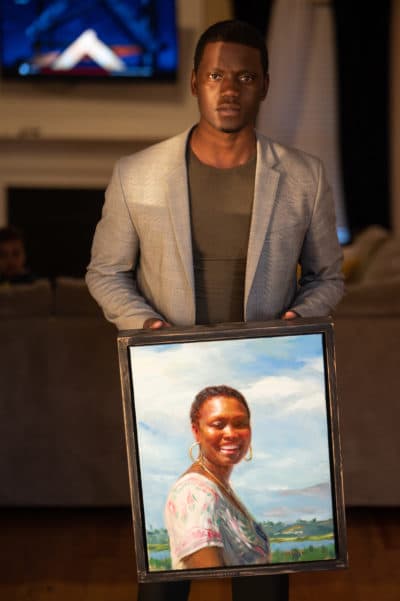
233,446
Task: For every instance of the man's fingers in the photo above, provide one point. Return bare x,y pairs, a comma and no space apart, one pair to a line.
289,315
155,324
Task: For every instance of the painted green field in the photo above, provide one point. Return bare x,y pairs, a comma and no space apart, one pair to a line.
300,542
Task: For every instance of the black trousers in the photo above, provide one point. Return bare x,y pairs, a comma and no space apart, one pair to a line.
262,588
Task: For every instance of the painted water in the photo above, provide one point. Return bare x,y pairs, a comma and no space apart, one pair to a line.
275,546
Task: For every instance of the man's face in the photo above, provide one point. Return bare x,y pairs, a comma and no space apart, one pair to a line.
229,85
12,258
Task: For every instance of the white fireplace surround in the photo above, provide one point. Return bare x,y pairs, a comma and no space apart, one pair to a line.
47,164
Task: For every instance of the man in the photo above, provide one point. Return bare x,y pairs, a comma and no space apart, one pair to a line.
211,225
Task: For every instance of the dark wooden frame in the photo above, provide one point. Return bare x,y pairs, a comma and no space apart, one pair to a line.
271,329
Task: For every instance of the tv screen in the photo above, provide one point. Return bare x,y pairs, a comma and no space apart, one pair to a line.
133,39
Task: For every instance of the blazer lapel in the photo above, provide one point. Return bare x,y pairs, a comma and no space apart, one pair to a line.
178,202
266,184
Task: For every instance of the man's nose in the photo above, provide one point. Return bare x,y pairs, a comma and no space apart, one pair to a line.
230,86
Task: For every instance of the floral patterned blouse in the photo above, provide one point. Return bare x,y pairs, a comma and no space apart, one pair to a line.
198,515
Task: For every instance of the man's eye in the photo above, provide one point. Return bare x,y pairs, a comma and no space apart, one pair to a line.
214,76
247,77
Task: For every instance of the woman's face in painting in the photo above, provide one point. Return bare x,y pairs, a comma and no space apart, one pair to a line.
223,430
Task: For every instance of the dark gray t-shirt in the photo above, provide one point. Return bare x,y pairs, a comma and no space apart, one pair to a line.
220,206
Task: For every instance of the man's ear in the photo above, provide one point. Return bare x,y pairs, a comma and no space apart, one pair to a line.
193,83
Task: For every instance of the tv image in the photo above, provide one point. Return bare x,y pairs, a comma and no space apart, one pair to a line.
98,39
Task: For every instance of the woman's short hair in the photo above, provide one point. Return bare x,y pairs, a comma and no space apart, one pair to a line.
235,32
209,393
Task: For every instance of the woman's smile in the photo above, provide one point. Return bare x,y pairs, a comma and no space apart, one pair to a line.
230,450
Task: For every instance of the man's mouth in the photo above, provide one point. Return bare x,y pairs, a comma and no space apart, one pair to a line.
228,109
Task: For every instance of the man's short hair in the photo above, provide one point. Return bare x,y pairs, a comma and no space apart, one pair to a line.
236,32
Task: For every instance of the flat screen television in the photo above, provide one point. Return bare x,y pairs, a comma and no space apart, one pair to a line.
89,39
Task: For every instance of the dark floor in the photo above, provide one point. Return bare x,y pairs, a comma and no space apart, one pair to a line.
87,555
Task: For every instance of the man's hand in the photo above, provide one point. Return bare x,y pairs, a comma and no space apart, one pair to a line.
289,315
155,324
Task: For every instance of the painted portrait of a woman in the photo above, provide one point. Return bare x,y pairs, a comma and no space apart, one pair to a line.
208,525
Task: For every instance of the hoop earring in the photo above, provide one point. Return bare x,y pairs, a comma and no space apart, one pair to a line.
199,456
250,455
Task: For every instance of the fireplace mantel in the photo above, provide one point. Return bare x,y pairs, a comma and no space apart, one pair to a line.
30,163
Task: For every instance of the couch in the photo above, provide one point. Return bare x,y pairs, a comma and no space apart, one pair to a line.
62,432
61,421
367,334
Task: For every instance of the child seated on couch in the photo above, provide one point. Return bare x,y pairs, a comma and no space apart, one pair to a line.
13,269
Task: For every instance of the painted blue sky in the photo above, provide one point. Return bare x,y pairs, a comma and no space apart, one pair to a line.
283,382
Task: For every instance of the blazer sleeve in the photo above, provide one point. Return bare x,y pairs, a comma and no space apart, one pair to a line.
115,252
321,283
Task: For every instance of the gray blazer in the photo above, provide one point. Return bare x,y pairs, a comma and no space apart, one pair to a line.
142,265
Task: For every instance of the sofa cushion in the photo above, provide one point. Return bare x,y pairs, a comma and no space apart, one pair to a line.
26,300
72,297
357,256
375,289
371,299
385,262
